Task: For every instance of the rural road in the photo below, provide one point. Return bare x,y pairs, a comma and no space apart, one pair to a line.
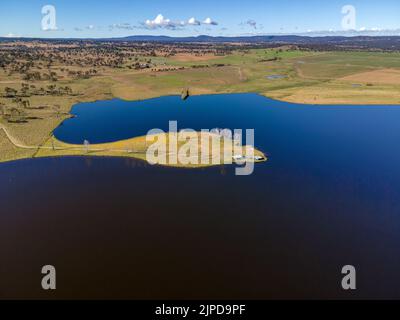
18,144
14,141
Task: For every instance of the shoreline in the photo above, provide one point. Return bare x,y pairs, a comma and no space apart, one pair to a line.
264,95
134,148
79,101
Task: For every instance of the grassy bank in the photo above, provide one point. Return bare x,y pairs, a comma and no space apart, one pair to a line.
137,148
307,77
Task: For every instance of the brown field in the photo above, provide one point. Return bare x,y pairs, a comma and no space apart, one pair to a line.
383,76
132,73
187,57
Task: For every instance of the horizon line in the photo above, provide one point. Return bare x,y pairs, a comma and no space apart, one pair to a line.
311,35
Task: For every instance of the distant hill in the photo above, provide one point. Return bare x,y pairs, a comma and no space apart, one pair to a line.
264,39
391,43
338,42
204,38
247,39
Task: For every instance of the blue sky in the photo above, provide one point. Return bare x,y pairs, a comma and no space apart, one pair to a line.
89,18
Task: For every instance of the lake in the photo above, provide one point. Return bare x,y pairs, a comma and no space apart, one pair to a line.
118,228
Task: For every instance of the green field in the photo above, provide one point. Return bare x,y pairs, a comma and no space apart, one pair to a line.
308,77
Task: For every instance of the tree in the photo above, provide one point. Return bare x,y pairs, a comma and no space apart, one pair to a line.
10,92
26,104
17,116
68,90
52,89
17,101
41,92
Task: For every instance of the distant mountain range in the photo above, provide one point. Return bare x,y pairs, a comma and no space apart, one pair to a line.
383,42
260,39
204,38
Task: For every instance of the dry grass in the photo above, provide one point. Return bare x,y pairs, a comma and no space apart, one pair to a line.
323,78
10,152
341,93
383,76
137,148
187,57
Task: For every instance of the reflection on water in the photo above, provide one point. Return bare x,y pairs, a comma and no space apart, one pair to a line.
119,228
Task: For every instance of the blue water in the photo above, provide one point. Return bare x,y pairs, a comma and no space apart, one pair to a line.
276,77
328,138
328,197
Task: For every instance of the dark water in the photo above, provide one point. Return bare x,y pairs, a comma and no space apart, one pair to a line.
276,77
117,228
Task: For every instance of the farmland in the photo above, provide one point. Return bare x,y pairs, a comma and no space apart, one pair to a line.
40,82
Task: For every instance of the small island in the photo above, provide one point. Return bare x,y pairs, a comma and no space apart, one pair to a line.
137,148
185,94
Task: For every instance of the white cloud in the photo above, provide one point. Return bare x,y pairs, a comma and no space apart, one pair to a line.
121,26
160,22
193,22
209,21
11,35
363,29
90,27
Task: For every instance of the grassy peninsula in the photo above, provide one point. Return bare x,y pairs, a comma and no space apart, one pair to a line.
40,82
